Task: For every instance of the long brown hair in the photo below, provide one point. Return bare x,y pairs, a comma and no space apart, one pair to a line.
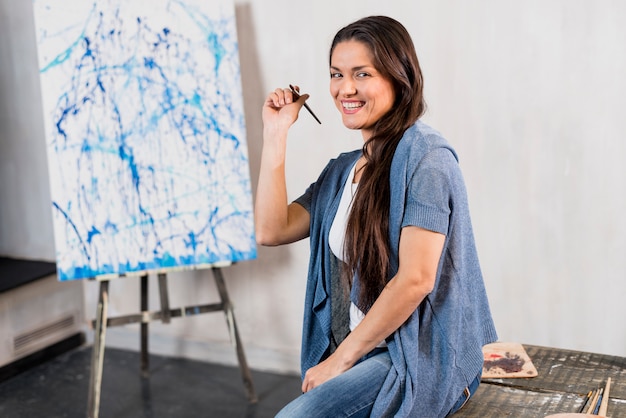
367,247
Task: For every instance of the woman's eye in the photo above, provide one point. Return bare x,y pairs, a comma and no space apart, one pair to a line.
361,75
335,75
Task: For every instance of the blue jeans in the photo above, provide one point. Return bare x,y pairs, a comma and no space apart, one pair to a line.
466,395
352,393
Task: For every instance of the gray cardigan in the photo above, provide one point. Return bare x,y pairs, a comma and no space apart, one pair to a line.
437,352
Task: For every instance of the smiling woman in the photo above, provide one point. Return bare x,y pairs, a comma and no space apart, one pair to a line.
361,93
396,312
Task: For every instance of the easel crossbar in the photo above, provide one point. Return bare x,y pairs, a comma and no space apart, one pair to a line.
147,316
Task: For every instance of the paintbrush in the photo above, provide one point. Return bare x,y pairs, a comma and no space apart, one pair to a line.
596,407
589,395
593,402
296,96
605,398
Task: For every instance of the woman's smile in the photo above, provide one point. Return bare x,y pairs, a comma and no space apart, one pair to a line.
352,106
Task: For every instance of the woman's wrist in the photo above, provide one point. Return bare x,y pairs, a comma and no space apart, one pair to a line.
348,354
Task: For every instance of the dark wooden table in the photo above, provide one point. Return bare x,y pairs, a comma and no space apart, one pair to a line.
565,377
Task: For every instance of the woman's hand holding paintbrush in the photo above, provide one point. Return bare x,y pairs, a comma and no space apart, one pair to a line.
277,108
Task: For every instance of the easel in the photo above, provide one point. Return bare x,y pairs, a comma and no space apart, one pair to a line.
165,314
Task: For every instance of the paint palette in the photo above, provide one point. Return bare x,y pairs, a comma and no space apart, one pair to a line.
506,360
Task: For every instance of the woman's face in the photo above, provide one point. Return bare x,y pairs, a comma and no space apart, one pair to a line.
361,93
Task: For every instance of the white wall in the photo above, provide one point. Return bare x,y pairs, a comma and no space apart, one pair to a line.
25,215
532,95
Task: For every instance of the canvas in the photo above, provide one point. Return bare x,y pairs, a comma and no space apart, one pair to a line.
145,135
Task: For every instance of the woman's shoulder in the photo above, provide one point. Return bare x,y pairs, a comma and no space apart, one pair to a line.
349,156
420,140
425,137
343,161
336,170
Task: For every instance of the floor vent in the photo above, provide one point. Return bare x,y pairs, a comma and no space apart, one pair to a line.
24,341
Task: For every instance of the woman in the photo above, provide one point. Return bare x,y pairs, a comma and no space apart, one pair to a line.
396,312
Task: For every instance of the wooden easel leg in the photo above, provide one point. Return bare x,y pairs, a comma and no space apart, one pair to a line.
97,355
145,360
232,326
165,302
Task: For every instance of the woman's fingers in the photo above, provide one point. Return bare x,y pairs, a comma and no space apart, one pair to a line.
281,97
277,107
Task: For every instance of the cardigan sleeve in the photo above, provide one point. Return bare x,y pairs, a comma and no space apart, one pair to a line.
430,190
306,199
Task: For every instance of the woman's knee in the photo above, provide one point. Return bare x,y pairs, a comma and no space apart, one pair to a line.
351,394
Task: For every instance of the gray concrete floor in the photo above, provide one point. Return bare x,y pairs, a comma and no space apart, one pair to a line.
175,388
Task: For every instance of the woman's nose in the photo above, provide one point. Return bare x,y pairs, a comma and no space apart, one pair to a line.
347,88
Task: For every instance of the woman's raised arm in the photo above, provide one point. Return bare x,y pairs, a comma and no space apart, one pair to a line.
276,221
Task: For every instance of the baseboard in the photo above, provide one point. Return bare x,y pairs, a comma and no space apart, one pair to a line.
258,358
41,356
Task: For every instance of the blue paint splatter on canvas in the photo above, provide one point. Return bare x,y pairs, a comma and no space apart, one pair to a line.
146,137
